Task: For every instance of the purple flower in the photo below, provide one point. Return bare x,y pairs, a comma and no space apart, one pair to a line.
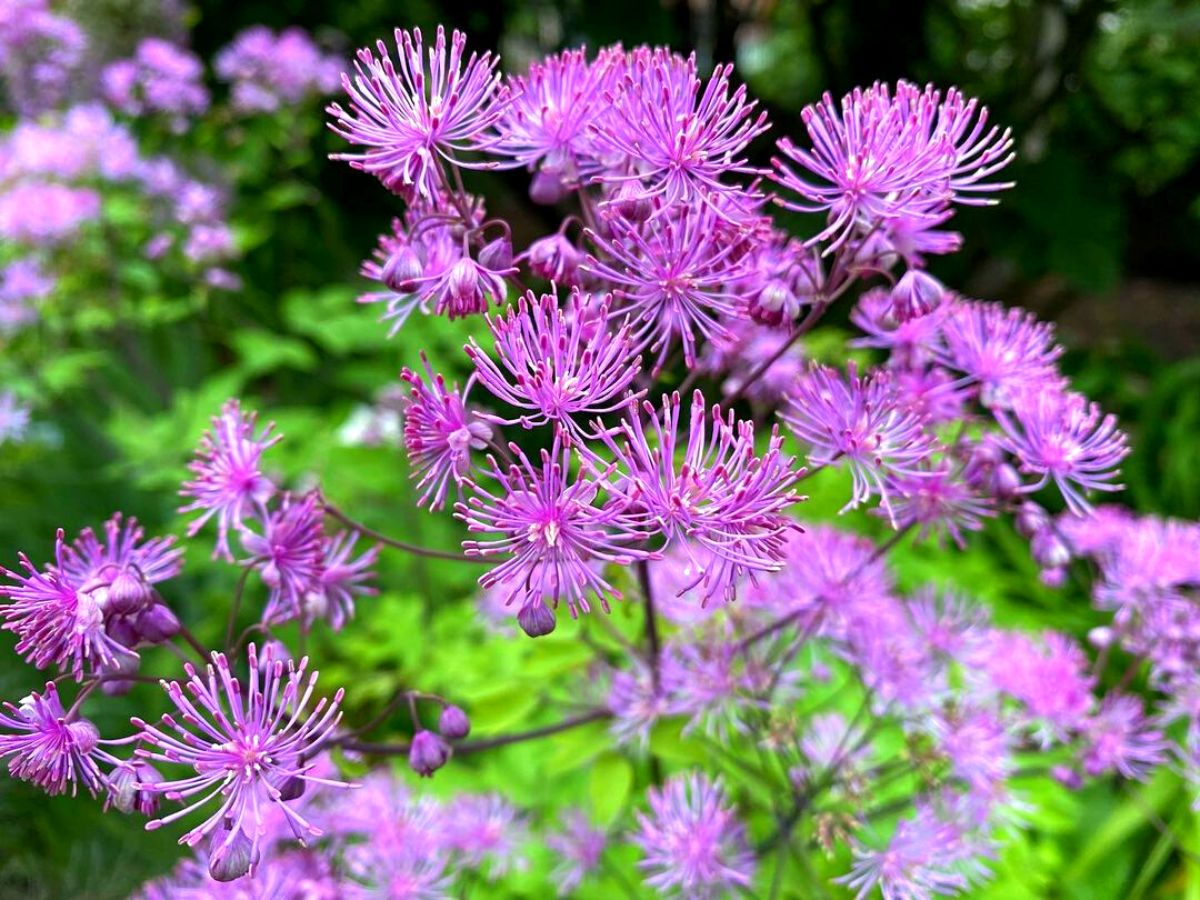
916,294
47,749
720,496
247,743
1003,351
692,842
978,746
269,70
939,502
637,703
546,124
559,364
673,274
56,622
1060,437
679,141
484,829
23,285
39,53
579,847
289,555
718,684
161,78
45,214
410,117
228,481
120,570
833,746
914,343
886,157
1049,677
862,421
919,861
553,529
440,434
1119,738
341,578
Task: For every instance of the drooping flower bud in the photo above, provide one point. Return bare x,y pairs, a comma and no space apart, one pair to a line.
463,292
916,294
428,753
85,735
401,271
1031,518
131,787
128,592
156,624
547,187
1049,550
497,255
774,303
453,723
231,856
536,619
555,258
630,203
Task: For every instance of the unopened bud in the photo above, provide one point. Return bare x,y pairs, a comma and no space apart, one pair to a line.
497,255
547,187
536,619
231,856
156,624
453,723
428,753
916,294
401,271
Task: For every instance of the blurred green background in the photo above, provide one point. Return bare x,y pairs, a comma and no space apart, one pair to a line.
1101,234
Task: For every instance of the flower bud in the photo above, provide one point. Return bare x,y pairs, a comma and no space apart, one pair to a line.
555,259
1049,549
547,187
401,271
1100,636
453,723
774,303
291,787
128,592
131,787
630,203
1053,578
916,294
428,753
1005,481
1031,518
85,735
230,857
121,629
536,619
497,255
463,290
156,624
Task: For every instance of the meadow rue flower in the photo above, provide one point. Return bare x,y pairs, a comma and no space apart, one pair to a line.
913,343
56,621
889,154
23,285
721,496
45,213
1061,437
692,843
125,791
269,70
555,363
556,259
738,355
1002,351
682,139
289,556
1120,738
637,701
162,77
484,830
548,123
553,528
46,748
40,51
341,578
245,740
412,114
1050,677
439,434
859,419
920,860
228,480
578,846
119,570
916,294
939,503
673,274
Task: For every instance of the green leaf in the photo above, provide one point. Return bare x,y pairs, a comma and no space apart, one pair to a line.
502,708
263,352
608,787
